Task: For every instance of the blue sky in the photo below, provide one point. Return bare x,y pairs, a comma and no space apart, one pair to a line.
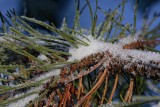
18,5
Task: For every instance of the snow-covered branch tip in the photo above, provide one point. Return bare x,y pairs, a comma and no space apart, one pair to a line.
123,54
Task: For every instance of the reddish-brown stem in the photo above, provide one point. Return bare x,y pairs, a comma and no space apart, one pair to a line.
97,85
140,44
80,88
87,102
66,96
129,92
114,89
50,99
105,89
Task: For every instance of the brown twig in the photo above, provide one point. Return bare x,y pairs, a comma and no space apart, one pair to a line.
36,104
59,94
129,92
50,99
134,45
105,89
97,85
114,89
140,44
66,96
80,89
88,101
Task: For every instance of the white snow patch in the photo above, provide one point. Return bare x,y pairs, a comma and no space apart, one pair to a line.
126,40
2,39
129,39
40,42
42,57
48,74
83,51
24,101
96,46
125,54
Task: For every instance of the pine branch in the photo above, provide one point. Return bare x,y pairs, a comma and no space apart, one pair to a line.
71,68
